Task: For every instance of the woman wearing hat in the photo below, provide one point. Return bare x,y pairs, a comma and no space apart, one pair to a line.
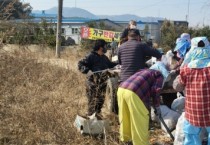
195,77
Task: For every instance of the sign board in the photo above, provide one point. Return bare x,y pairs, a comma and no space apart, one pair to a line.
93,34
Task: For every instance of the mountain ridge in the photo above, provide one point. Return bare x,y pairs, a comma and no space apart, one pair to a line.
82,13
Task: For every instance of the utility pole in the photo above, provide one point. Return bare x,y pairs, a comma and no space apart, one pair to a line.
188,11
59,23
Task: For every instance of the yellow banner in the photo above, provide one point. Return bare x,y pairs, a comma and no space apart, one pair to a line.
93,34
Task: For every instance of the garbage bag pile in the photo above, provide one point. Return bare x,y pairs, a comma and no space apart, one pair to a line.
174,119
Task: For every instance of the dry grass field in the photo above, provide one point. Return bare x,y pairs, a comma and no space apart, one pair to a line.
40,97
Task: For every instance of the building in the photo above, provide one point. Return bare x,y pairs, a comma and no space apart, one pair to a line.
71,26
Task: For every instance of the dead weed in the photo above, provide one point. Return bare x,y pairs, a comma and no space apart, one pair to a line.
39,102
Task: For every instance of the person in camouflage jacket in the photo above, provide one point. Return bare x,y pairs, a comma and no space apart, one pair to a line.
95,65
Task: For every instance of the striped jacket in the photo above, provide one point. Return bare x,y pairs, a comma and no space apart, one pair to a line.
132,57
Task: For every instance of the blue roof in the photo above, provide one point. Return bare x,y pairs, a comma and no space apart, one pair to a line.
43,15
53,18
150,22
98,20
76,19
140,22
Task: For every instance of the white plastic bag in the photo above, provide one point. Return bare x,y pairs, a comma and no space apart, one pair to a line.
179,133
178,105
169,116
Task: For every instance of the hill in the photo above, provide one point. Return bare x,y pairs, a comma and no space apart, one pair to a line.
127,17
78,12
70,12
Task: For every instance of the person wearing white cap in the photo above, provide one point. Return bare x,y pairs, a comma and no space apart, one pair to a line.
195,77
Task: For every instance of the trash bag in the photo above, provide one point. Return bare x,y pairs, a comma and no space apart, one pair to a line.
169,116
178,105
179,133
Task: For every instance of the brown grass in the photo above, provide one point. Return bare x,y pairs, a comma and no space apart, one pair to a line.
39,101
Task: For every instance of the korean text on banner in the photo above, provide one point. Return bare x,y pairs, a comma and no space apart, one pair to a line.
93,34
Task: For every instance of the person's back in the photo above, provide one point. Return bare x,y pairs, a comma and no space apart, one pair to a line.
131,58
195,77
134,100
146,83
132,55
197,87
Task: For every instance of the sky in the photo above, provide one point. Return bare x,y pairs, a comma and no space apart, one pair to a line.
196,12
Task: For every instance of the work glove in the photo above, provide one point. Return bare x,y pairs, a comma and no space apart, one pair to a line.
173,72
90,73
168,78
117,66
158,111
104,71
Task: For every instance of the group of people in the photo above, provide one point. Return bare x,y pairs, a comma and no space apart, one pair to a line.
194,80
139,86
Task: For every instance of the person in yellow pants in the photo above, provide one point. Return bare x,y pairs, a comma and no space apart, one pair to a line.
134,96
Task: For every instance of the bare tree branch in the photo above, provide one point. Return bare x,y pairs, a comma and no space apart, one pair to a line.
14,9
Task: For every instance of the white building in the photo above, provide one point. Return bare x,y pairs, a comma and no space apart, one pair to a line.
71,26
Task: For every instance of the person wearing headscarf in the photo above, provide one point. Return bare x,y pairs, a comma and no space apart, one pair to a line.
194,43
195,77
183,44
